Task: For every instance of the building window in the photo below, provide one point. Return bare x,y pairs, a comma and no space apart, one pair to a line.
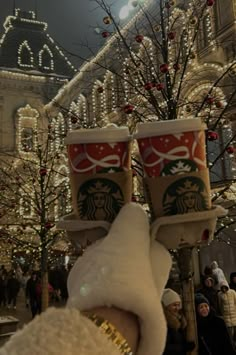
25,56
27,142
46,58
26,125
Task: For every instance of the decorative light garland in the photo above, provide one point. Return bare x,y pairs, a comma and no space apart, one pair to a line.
24,47
46,64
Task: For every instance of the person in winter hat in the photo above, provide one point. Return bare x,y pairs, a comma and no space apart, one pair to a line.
213,337
218,274
227,304
232,283
210,293
176,343
107,313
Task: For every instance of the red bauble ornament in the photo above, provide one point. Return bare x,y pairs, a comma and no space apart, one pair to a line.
212,136
105,34
176,66
74,119
164,68
219,104
43,171
139,38
107,20
148,86
128,109
171,35
160,86
134,199
100,89
230,149
210,100
48,225
210,2
49,126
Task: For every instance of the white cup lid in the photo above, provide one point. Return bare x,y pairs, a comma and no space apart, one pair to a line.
151,129
107,134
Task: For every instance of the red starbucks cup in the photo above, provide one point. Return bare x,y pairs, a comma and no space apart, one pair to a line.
172,147
99,150
100,172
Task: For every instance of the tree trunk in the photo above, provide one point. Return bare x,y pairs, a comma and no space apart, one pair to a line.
44,280
186,273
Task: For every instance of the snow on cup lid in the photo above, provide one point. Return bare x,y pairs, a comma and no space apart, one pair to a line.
108,134
169,127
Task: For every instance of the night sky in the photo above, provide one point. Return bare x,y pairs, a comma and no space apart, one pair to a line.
71,23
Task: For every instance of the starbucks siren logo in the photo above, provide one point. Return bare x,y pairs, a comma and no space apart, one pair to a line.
185,195
99,199
179,166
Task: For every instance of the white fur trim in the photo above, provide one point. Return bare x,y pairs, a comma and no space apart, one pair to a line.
117,271
59,331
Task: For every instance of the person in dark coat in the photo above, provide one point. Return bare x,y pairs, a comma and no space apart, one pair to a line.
209,291
213,337
32,294
13,288
176,343
3,290
232,283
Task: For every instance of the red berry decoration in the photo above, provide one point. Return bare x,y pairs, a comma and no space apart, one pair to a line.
128,109
171,35
210,2
219,104
105,34
176,66
48,225
230,149
148,86
160,86
43,171
139,38
210,100
212,136
107,20
164,68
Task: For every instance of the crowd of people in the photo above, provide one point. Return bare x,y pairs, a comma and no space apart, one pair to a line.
30,282
215,306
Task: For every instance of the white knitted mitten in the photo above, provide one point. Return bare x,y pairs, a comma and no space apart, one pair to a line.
117,272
